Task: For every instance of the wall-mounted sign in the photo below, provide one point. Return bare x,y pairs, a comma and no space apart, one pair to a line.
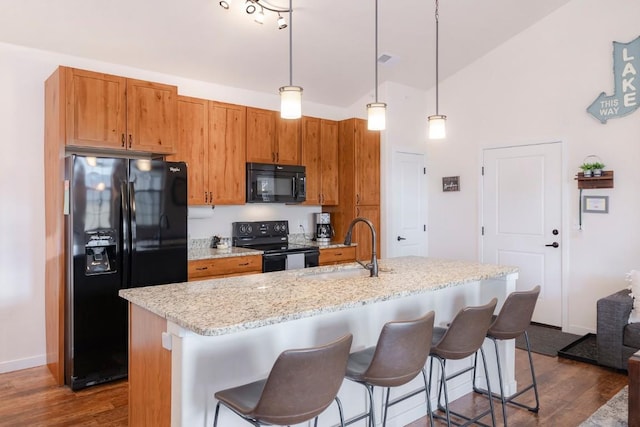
626,98
450,183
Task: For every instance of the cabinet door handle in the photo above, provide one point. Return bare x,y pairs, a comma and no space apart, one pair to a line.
123,143
338,253
206,197
130,140
202,268
273,156
210,197
244,264
357,199
277,157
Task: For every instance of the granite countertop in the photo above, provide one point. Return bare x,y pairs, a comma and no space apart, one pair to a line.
195,254
199,249
227,305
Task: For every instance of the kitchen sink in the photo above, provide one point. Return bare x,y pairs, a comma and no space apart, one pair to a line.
343,273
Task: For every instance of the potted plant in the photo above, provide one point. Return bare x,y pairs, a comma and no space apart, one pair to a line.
596,168
587,169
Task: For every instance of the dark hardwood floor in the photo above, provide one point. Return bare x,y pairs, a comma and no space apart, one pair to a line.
569,392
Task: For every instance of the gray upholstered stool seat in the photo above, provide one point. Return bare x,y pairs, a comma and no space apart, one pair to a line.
301,385
398,357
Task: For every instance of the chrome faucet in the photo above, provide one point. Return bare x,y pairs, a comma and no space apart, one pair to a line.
373,265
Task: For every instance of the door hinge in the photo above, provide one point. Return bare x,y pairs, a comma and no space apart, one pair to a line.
424,171
482,230
482,170
424,227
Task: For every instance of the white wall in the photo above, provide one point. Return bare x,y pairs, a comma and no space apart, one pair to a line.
536,88
22,75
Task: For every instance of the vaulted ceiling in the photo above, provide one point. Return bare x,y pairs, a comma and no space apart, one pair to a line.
333,40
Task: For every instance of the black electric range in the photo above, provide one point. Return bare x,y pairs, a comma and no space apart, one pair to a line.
272,238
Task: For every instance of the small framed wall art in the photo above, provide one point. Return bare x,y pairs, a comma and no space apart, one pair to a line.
450,183
595,204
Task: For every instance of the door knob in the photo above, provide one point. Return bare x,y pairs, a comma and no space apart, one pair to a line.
401,238
554,245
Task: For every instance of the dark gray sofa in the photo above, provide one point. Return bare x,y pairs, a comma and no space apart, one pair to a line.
617,339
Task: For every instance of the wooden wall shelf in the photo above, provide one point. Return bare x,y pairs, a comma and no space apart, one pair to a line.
603,181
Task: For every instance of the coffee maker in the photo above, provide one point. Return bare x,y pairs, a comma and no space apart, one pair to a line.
324,231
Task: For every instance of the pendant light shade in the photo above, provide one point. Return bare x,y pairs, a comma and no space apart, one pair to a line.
376,111
291,102
291,96
437,122
437,126
376,116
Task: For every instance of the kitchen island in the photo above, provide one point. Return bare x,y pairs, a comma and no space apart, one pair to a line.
189,340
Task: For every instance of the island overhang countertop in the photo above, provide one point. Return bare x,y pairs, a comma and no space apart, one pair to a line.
228,305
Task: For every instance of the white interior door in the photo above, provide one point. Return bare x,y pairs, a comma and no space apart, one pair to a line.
522,214
409,211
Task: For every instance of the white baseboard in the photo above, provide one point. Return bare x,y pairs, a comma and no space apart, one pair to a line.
16,365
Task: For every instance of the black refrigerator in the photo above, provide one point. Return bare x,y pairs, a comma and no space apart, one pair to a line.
126,226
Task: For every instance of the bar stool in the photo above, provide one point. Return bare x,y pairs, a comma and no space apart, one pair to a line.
463,338
511,322
398,357
302,384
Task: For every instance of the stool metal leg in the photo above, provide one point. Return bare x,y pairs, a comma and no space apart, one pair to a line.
443,388
510,399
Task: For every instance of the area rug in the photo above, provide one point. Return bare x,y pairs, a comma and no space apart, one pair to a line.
614,413
546,340
584,349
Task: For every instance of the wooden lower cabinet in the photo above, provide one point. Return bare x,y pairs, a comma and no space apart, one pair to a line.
224,267
332,256
149,370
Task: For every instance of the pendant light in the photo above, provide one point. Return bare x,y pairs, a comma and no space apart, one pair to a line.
437,122
376,111
291,96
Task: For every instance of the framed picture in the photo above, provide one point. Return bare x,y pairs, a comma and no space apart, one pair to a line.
451,183
595,204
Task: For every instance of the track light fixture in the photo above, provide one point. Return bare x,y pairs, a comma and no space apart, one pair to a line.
257,8
437,122
376,111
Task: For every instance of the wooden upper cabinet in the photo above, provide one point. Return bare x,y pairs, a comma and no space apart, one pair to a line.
105,111
151,117
320,158
227,153
211,140
367,163
271,139
288,141
261,135
192,147
96,109
329,162
311,158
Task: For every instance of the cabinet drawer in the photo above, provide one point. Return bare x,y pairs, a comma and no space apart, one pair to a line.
337,255
221,267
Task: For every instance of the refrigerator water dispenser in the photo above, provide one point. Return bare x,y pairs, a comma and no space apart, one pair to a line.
100,251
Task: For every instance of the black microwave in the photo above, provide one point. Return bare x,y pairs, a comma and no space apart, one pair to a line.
270,183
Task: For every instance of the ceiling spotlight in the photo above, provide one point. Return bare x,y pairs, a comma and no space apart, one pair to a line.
249,7
282,24
225,4
259,18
